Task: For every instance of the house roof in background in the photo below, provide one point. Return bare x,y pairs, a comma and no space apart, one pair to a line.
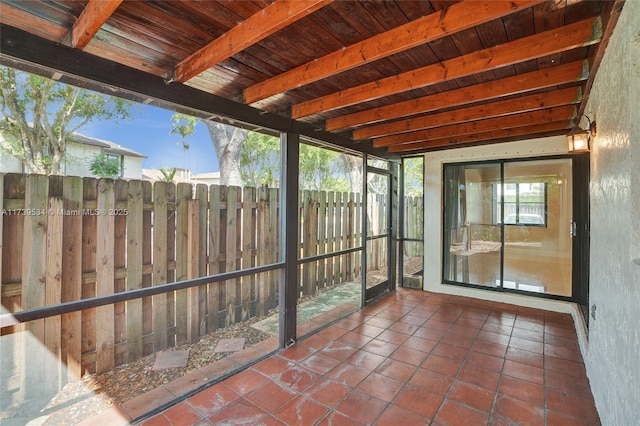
109,147
402,77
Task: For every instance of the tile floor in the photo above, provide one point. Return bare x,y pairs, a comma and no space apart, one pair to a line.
411,358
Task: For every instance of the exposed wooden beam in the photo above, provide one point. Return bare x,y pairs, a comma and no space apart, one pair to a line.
91,19
486,136
555,98
578,34
257,27
456,18
567,112
522,83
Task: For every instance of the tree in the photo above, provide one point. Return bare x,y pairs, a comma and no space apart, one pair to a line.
168,175
260,160
39,116
183,125
227,142
106,167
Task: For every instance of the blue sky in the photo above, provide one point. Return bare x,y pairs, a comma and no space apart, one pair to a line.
148,133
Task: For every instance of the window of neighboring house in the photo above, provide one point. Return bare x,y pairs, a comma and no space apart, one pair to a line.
525,203
120,159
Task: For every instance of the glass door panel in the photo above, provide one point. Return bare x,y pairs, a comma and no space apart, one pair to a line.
472,234
412,222
378,233
537,240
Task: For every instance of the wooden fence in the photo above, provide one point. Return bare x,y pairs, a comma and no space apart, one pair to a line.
70,238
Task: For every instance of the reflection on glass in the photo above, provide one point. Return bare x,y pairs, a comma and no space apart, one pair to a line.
472,242
413,222
538,206
378,211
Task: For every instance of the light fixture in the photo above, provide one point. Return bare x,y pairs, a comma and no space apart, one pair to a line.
579,139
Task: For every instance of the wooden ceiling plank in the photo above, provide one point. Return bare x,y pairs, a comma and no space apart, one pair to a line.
477,137
429,28
522,83
256,28
92,18
516,120
572,36
551,99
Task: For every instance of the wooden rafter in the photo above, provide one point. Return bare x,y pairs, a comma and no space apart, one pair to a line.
544,100
426,29
555,126
92,18
258,27
572,36
567,112
547,77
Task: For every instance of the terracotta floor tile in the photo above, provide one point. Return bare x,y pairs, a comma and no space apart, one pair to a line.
354,403
368,330
178,414
381,387
296,353
488,348
297,378
245,381
114,416
320,363
354,339
272,366
457,340
434,324
470,322
572,405
521,333
271,396
485,361
521,389
526,345
525,357
338,419
418,401
301,411
349,323
446,366
379,322
431,381
560,331
575,369
529,324
497,328
420,344
571,354
212,399
454,414
555,418
367,360
461,330
519,412
578,386
413,319
396,369
394,416
393,337
338,350
333,332
472,395
570,343
380,347
348,374
243,412
327,392
479,376
317,341
523,371
409,355
400,327
492,337
448,351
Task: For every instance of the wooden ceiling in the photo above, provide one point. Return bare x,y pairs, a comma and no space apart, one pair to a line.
406,76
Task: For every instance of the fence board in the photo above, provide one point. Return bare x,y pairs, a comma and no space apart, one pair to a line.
89,242
213,305
119,263
322,238
53,378
274,245
71,346
264,236
105,315
34,266
160,257
135,228
248,236
193,266
147,278
183,194
231,239
331,232
201,195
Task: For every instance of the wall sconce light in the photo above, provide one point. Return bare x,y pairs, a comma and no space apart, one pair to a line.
579,139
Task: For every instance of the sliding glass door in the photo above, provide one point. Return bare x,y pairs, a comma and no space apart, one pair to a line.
507,225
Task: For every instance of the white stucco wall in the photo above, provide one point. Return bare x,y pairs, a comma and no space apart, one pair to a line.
612,355
433,210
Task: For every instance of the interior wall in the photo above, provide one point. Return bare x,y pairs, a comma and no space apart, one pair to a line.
612,355
434,162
